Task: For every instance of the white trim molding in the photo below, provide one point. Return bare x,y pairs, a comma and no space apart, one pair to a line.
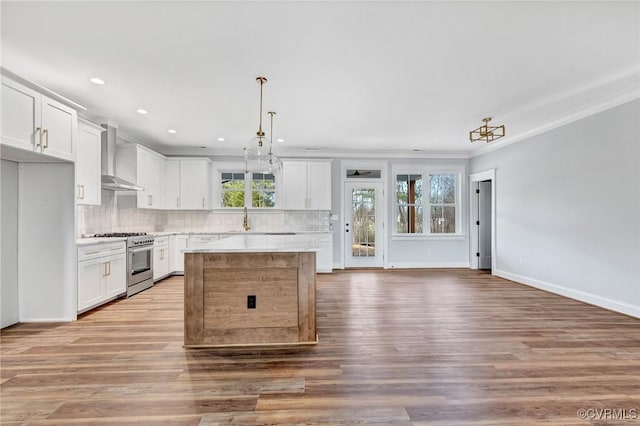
425,265
473,217
592,299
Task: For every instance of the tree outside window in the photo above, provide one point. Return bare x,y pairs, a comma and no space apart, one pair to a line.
442,203
263,190
232,189
409,203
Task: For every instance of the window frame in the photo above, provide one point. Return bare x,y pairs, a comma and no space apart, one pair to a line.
426,171
230,167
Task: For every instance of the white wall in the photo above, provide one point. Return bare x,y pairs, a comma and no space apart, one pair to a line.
9,238
568,209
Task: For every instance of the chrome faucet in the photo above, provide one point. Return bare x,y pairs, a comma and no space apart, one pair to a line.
245,222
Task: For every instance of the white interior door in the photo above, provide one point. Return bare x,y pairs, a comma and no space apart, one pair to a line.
484,229
363,226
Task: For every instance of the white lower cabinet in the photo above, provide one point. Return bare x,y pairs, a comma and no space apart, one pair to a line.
102,273
160,258
177,243
324,257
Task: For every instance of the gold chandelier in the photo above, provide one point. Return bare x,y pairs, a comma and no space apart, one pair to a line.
257,158
486,133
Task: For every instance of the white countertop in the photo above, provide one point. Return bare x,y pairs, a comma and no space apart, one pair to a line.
88,241
258,243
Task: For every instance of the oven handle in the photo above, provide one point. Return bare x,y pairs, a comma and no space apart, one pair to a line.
138,250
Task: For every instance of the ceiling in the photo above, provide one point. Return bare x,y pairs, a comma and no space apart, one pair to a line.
358,78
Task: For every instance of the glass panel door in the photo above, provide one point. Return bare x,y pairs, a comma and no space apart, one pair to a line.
363,225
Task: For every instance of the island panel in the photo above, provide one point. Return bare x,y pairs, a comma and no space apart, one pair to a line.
217,286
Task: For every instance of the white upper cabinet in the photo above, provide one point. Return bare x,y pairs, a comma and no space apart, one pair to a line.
35,122
147,169
88,163
306,184
172,187
188,183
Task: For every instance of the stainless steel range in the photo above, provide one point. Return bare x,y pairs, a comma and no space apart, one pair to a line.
139,260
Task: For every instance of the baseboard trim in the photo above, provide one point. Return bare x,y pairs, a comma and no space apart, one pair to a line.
602,302
425,265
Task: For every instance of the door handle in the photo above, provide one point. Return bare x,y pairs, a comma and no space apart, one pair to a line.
39,143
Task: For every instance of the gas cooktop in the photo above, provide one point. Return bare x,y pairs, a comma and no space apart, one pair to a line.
120,234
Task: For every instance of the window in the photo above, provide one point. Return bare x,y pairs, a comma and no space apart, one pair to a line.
240,189
263,190
409,204
442,204
427,202
232,189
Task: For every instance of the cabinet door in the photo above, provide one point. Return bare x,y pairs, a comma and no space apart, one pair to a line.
194,184
116,278
172,185
324,257
88,166
178,257
160,262
294,185
91,289
319,186
145,173
59,124
21,115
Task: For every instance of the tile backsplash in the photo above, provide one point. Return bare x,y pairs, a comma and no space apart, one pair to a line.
109,218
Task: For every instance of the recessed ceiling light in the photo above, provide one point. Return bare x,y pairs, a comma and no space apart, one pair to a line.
220,139
96,80
142,111
280,140
171,131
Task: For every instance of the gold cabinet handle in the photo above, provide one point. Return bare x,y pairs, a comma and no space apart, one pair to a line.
78,192
104,269
149,200
82,192
45,132
109,268
39,143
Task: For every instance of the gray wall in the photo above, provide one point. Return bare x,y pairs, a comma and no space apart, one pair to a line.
568,209
403,253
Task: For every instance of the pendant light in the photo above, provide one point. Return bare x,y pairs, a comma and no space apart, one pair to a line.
274,163
256,156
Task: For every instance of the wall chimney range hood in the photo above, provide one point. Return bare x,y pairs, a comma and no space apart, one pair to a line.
109,179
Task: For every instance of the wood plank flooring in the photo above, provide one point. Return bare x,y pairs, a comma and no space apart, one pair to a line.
420,347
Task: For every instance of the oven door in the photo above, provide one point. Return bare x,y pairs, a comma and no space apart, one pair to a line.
140,264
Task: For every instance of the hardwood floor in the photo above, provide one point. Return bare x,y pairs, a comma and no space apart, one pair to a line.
436,347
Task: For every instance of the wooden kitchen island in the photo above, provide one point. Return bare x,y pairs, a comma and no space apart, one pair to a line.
250,291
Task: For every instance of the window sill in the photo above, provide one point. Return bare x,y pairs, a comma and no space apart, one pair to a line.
429,237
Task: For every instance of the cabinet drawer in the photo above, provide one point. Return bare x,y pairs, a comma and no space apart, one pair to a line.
199,240
161,241
99,250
